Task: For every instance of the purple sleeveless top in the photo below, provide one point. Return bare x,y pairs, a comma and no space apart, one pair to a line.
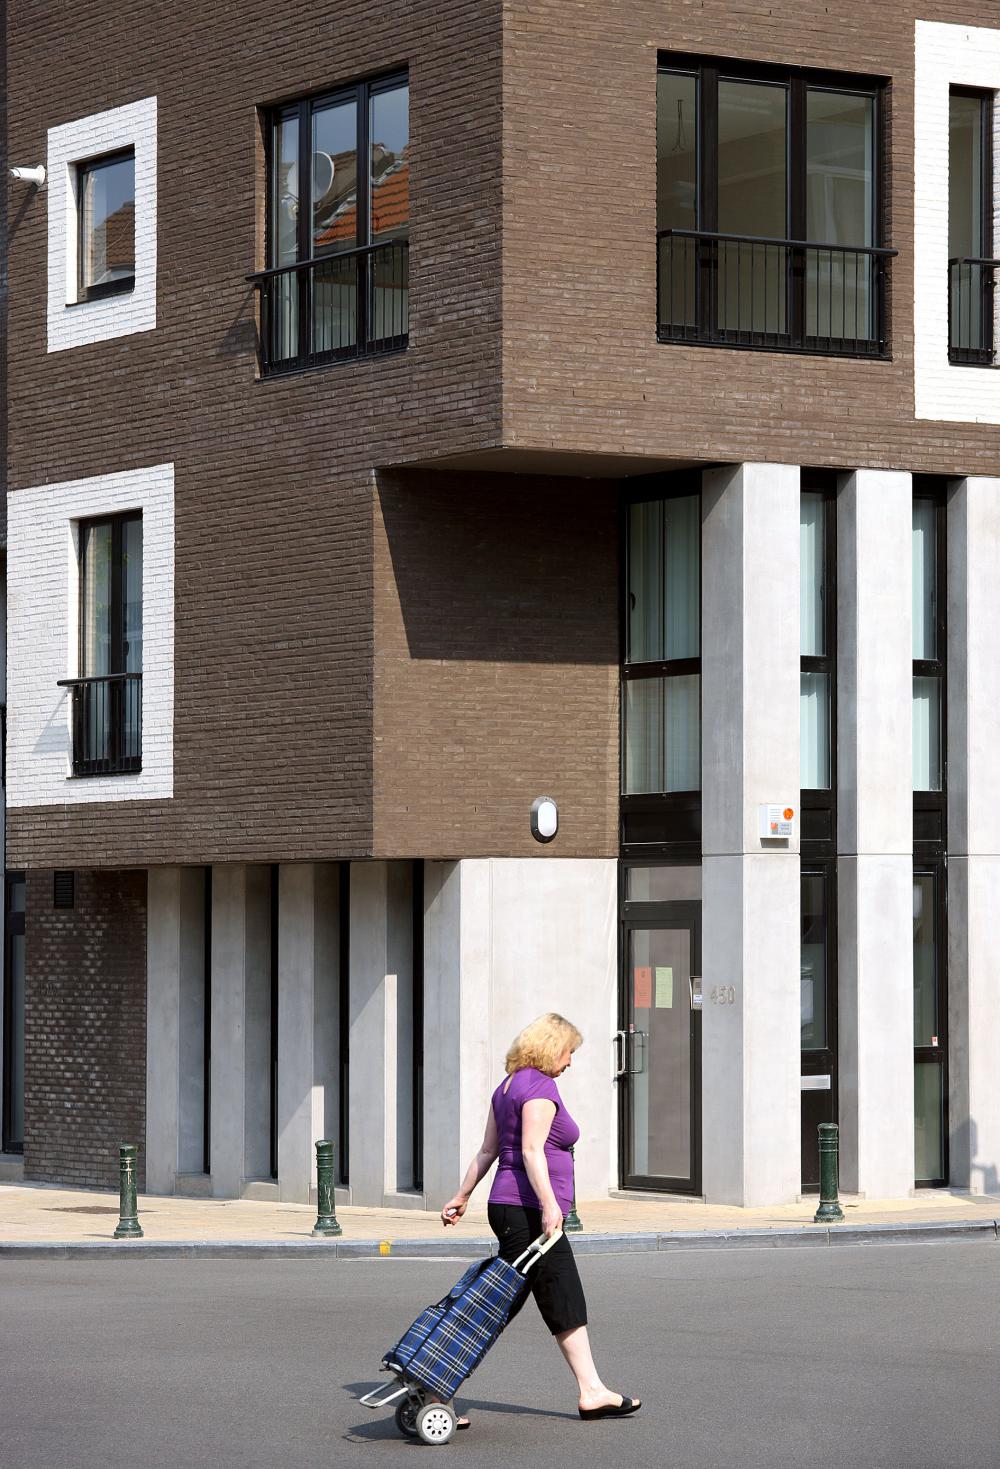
512,1184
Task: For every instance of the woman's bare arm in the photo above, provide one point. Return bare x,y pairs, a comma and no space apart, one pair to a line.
481,1164
537,1117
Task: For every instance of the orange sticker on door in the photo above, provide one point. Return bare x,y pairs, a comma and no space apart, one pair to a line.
642,988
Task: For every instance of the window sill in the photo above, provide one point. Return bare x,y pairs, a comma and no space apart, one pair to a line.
104,293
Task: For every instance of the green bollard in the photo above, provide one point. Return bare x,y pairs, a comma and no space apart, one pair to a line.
128,1208
829,1174
327,1224
571,1224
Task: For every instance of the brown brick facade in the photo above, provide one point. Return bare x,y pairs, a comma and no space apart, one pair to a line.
496,672
352,676
273,482
85,1028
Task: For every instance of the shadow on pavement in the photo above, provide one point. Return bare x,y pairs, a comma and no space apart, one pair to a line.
382,1426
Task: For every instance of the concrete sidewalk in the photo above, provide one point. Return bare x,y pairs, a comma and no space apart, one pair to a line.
40,1218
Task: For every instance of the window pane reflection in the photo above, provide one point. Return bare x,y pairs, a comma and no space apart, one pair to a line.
927,734
924,579
814,731
752,200
662,735
677,194
108,222
928,1099
839,211
970,284
925,995
812,982
664,580
812,573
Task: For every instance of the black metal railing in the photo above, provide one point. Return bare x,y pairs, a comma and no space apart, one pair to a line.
107,723
350,304
971,284
780,295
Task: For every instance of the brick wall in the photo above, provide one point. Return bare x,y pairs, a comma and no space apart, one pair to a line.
85,1028
496,672
273,479
583,371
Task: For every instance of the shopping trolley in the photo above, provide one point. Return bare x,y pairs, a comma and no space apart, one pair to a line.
448,1341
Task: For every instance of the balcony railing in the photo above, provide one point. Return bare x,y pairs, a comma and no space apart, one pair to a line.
971,284
773,295
106,722
351,304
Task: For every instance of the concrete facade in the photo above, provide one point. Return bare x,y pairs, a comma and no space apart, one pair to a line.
974,833
750,756
386,605
875,836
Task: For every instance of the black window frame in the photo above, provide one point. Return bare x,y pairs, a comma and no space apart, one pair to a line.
930,811
818,845
107,700
301,109
125,285
708,71
985,355
665,824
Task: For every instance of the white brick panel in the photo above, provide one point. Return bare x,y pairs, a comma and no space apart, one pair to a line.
42,636
71,323
945,56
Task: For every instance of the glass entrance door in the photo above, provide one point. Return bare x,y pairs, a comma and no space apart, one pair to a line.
658,1050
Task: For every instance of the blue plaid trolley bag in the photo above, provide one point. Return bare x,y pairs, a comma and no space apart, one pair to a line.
448,1341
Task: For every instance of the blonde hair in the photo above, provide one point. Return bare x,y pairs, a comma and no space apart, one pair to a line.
542,1043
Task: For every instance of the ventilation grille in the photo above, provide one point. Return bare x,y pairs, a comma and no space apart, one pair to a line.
63,893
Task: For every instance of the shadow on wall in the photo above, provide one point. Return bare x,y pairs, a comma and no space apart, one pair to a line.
984,1178
500,568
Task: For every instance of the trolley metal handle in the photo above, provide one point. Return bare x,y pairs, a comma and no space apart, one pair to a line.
535,1251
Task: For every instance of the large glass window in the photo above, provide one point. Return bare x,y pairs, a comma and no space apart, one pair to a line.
928,665
662,676
107,696
929,1021
337,283
970,226
106,204
767,209
816,676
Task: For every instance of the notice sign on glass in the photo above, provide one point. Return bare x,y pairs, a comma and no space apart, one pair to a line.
642,989
664,987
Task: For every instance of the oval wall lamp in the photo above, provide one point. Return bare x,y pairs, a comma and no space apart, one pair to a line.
544,818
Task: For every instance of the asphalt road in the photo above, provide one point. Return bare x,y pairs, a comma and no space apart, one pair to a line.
872,1357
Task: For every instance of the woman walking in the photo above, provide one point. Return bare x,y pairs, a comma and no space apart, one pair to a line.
530,1131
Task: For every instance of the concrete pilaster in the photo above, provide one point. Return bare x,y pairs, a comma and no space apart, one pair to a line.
240,1026
875,832
381,960
308,954
750,756
175,989
506,939
973,834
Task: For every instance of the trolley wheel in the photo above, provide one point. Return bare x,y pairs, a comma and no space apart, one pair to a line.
406,1417
436,1423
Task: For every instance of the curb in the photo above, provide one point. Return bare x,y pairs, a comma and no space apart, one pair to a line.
804,1236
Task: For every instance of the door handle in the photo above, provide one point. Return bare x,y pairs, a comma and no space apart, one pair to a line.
637,1052
619,1042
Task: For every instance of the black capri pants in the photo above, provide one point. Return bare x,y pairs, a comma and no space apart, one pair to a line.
555,1280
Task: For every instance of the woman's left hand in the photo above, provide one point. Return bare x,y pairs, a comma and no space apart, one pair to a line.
454,1209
